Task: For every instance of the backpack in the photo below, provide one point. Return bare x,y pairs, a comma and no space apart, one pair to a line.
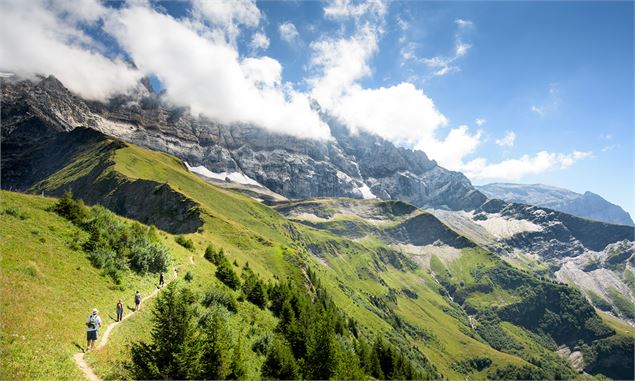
91,323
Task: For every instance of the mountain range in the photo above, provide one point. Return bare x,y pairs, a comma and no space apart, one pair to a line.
460,285
588,205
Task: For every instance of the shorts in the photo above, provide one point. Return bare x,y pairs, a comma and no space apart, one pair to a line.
91,335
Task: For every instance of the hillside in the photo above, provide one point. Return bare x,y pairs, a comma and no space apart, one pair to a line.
452,308
588,205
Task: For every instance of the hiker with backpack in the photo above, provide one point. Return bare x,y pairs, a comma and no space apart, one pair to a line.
119,311
161,280
137,301
93,323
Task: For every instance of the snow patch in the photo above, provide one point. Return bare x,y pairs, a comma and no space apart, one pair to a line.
366,192
235,177
501,227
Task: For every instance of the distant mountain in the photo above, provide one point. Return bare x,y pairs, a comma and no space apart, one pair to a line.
357,166
588,205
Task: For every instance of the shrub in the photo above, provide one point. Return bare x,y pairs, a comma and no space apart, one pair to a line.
150,257
188,276
15,212
221,297
213,255
185,242
226,274
71,209
114,245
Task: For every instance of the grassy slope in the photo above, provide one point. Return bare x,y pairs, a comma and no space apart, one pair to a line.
274,247
48,290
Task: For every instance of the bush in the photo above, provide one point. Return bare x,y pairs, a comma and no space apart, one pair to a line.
185,242
213,255
15,212
226,274
221,297
71,209
150,257
114,245
188,276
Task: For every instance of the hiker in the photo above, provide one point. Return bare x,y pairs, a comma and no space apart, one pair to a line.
161,279
119,311
93,323
137,301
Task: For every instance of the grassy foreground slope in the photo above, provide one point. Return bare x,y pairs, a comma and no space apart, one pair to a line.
49,287
385,291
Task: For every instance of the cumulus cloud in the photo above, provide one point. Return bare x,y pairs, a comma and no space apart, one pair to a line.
451,151
259,41
480,121
515,169
228,14
402,113
209,76
288,33
42,37
508,140
340,63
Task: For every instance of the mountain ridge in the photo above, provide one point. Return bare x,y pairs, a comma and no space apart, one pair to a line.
357,166
587,205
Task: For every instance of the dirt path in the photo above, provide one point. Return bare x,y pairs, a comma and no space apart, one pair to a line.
79,357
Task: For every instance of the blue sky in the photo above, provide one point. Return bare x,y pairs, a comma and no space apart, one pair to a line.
529,92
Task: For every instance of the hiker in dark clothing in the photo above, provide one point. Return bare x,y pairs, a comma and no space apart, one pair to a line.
119,311
161,279
137,301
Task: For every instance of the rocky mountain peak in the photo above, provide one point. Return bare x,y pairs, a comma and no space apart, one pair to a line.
357,165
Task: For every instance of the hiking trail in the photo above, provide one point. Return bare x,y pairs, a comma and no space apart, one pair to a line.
79,356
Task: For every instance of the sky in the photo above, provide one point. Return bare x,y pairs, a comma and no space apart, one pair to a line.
524,92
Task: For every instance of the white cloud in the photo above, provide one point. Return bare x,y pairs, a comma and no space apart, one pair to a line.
401,113
463,23
461,49
451,151
209,76
538,110
340,63
442,65
341,9
41,37
402,24
610,148
259,41
515,169
480,121
228,14
508,140
288,33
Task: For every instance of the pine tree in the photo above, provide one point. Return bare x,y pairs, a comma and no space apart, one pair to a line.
216,344
253,287
323,352
226,274
238,370
280,363
174,351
